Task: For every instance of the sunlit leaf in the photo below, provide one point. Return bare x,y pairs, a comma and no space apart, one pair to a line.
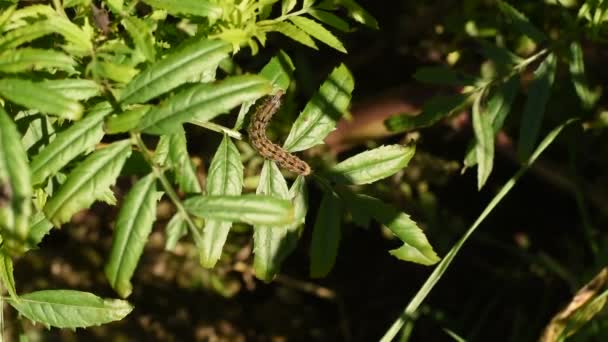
294,33
133,225
252,209
321,113
271,245
325,236
175,69
20,60
203,102
185,172
484,148
330,19
73,88
126,121
46,100
201,8
39,227
225,178
319,32
497,109
175,230
87,182
372,165
80,137
141,35
70,309
6,275
416,247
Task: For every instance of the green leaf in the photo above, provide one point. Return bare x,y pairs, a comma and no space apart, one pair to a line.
521,23
118,72
126,121
534,108
442,75
416,247
80,137
271,245
287,6
577,71
15,187
89,181
330,19
6,274
133,225
185,173
500,103
251,209
175,230
70,309
46,100
433,110
73,88
201,8
325,236
20,60
225,178
39,227
279,70
484,149
174,70
203,102
141,35
299,197
321,113
373,165
25,34
497,109
318,31
292,32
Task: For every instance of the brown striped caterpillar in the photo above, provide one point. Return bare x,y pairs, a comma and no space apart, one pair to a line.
265,147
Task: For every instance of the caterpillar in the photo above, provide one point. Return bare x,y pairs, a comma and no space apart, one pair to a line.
265,147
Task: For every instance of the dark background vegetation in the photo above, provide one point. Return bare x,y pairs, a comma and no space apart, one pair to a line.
518,270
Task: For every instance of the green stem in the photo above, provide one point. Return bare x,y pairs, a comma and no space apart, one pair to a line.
442,267
196,235
282,18
218,128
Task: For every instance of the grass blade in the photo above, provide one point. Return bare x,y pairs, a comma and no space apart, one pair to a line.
442,267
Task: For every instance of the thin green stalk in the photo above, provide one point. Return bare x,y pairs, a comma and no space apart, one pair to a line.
160,175
218,128
440,269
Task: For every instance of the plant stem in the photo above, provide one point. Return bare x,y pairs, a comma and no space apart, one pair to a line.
196,235
218,128
442,267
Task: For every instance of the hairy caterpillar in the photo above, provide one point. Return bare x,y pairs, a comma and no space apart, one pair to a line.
265,147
